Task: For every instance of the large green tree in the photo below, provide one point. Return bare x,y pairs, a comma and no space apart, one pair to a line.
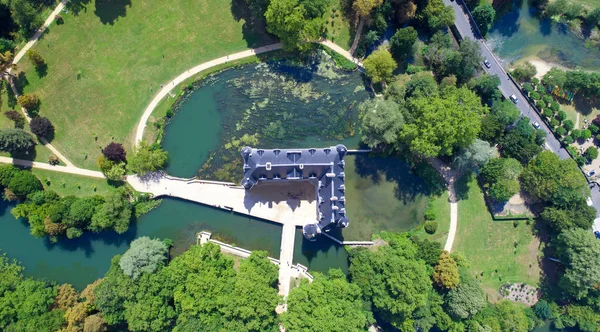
16,141
144,255
382,121
437,15
474,156
147,159
579,251
289,20
552,180
380,65
486,86
501,177
391,279
465,300
484,15
439,125
364,7
402,42
329,303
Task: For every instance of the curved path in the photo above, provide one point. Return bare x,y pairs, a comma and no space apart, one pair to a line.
62,169
20,55
139,133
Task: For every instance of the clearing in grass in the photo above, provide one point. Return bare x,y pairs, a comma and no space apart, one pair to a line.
499,251
107,61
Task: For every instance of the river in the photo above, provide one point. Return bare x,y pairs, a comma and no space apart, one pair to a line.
520,35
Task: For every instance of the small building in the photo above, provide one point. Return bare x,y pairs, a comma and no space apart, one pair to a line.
323,167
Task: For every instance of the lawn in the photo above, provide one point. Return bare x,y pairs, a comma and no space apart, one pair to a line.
109,58
338,25
441,207
70,184
498,251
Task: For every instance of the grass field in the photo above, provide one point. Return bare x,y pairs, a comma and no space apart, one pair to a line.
338,25
69,184
498,251
109,58
442,213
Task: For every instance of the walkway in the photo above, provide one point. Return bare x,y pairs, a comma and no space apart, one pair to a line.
450,176
20,55
62,169
191,72
279,203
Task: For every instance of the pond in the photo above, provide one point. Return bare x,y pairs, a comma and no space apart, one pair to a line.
311,105
521,34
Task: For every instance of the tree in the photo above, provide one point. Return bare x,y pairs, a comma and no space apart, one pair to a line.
524,72
42,127
549,179
29,102
486,86
364,7
439,125
506,112
16,117
474,156
492,130
555,77
114,213
94,323
591,153
35,58
580,215
438,15
380,65
147,159
500,176
289,21
593,17
466,299
25,16
421,84
144,255
484,15
542,309
6,64
115,152
382,121
113,170
470,59
521,142
24,183
402,42
445,274
16,141
579,251
329,303
569,125
391,279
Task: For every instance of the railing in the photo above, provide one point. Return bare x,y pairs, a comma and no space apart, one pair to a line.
349,243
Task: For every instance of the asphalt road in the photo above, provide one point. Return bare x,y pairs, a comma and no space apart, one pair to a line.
507,87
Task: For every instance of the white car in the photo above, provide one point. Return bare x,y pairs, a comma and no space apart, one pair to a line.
487,63
536,125
514,99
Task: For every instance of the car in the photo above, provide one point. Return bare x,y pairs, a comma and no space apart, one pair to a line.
589,201
590,173
514,99
536,125
597,234
487,63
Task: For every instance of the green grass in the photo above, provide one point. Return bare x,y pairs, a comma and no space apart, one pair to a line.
442,213
105,64
498,251
69,184
338,25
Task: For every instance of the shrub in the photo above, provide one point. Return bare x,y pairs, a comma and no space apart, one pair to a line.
53,160
24,183
524,72
555,106
542,309
580,160
561,131
42,127
29,102
74,232
7,171
547,99
431,227
540,104
35,58
554,123
569,125
114,152
59,20
535,96
593,128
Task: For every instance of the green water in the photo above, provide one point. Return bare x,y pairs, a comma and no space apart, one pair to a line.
521,34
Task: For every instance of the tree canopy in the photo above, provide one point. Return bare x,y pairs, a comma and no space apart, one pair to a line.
147,159
579,251
144,255
402,42
382,121
380,65
16,141
293,23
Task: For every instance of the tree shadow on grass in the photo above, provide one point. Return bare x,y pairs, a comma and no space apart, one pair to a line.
462,185
110,10
77,6
585,104
25,155
41,70
254,27
20,82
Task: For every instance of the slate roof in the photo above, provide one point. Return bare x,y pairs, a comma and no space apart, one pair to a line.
324,167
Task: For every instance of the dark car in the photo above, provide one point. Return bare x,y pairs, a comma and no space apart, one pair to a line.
597,234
